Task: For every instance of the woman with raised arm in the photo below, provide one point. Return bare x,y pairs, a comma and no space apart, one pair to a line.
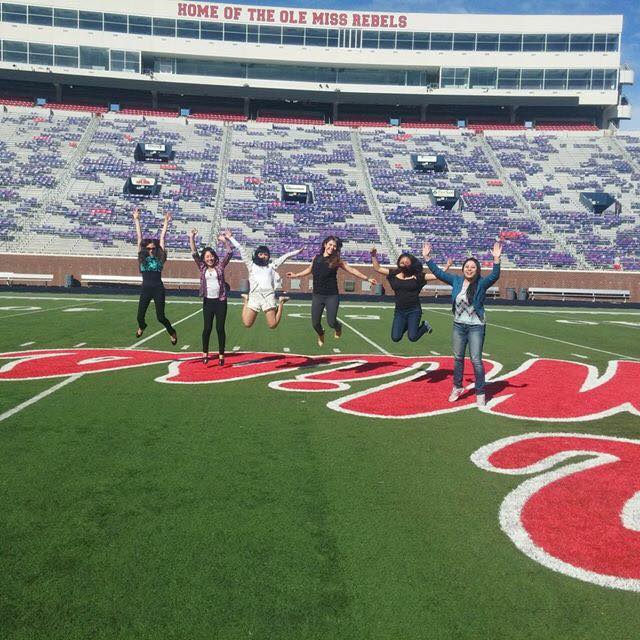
469,320
407,281
324,268
213,292
263,282
152,256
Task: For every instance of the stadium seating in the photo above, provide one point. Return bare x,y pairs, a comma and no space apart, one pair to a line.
61,179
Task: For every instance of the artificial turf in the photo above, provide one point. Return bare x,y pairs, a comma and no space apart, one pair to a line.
135,509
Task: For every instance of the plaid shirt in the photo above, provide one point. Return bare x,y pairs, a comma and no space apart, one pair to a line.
218,268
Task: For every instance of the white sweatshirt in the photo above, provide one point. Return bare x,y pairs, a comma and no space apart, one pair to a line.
263,279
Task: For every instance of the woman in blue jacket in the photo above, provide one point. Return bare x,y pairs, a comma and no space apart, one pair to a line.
467,296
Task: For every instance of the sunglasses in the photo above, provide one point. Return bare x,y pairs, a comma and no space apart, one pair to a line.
150,248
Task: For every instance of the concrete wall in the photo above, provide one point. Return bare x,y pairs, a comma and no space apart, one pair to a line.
60,266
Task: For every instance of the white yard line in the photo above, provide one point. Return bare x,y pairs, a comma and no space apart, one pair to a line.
27,344
571,344
40,396
375,345
579,355
26,313
77,376
346,305
532,355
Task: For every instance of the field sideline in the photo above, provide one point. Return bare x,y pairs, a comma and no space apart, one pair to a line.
146,496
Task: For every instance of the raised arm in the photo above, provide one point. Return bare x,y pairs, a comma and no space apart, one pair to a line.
430,276
439,273
496,252
192,240
192,245
354,272
245,254
227,245
282,259
305,272
163,231
136,222
376,264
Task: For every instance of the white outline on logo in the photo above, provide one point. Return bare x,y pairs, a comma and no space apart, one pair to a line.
513,504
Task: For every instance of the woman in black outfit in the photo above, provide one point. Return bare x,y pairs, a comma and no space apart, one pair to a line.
324,268
407,282
151,258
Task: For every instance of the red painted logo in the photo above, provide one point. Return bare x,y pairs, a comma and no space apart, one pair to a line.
577,516
546,390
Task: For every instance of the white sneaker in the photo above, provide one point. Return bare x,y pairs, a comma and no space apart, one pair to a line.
481,400
455,394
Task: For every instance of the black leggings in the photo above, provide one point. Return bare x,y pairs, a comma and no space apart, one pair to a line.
318,305
155,293
214,308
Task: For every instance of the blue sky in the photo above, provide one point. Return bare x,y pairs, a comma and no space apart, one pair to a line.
629,8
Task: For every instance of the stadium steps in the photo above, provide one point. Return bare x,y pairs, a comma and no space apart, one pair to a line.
617,147
52,198
370,196
549,232
223,168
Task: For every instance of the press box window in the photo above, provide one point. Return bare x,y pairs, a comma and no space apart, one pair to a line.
115,22
487,42
41,54
41,15
65,56
94,58
91,20
14,51
163,27
140,25
188,29
14,13
66,18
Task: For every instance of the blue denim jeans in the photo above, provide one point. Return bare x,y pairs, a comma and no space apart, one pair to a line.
473,335
408,320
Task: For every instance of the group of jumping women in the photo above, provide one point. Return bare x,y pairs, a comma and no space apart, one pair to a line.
406,281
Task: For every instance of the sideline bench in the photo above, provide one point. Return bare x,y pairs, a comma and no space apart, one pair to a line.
445,290
115,279
9,277
590,294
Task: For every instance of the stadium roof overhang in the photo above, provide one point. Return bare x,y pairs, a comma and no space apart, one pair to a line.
222,90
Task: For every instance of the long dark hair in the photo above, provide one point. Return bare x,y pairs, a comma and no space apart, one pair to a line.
473,285
213,253
415,268
334,258
143,254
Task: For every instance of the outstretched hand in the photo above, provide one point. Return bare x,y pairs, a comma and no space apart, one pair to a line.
167,217
496,252
290,274
373,281
449,262
227,234
426,250
193,233
136,214
374,252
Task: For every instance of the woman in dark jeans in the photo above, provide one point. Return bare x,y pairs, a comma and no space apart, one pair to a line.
324,268
406,281
151,258
213,291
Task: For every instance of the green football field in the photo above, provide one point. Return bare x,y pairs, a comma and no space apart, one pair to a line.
137,506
